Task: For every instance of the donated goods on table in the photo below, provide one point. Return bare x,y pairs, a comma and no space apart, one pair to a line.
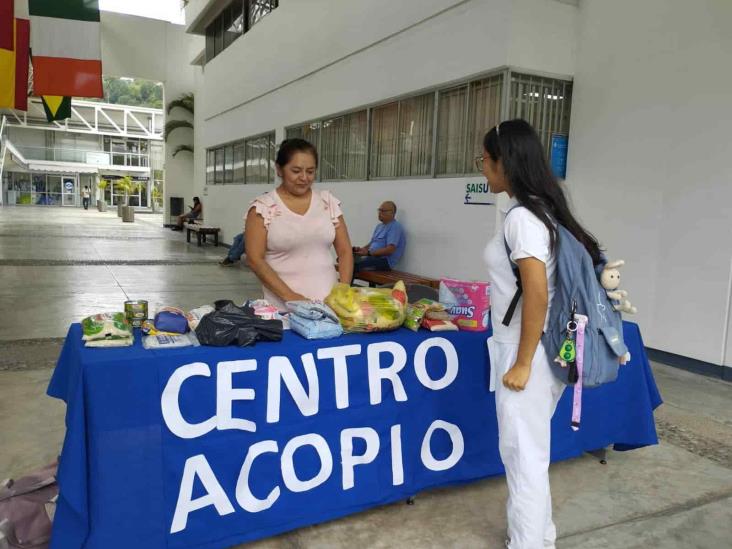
369,309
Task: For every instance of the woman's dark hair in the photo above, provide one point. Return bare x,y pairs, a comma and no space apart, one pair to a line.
524,162
196,199
289,147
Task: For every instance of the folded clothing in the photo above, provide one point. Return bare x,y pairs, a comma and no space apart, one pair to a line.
313,320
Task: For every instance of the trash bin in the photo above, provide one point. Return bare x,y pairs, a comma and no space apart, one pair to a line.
176,208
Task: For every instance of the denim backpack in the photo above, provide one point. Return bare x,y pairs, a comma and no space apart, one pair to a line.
578,292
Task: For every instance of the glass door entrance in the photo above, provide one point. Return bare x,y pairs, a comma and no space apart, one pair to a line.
69,191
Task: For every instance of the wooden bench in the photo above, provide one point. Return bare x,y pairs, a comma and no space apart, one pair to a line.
201,232
378,278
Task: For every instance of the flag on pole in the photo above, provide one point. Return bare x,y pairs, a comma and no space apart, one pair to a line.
57,107
67,54
7,15
14,68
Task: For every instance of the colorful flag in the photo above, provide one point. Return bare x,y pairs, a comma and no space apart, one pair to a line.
67,54
7,14
14,69
57,107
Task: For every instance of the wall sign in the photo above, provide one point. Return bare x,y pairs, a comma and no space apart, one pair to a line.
559,155
477,192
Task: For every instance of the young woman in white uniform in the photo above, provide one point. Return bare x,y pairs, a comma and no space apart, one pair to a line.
527,391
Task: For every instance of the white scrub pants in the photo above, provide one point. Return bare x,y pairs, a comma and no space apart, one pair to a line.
524,440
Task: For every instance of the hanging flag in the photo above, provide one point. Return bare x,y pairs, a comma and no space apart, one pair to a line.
57,107
14,69
67,54
7,14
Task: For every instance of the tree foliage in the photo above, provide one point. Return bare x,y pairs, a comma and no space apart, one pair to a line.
134,92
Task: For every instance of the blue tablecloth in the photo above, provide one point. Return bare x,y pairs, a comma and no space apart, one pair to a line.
121,472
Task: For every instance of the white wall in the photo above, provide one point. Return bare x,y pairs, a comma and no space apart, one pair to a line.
156,50
649,160
648,170
300,64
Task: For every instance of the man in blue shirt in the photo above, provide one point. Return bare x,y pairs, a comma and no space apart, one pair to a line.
387,243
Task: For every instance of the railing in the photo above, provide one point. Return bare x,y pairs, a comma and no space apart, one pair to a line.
91,117
85,156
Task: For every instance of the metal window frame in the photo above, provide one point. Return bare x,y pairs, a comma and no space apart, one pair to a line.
232,143
344,115
506,72
219,31
271,137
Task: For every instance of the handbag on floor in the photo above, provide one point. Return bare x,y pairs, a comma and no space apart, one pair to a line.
27,506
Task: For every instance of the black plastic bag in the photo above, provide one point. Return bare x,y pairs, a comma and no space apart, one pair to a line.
232,325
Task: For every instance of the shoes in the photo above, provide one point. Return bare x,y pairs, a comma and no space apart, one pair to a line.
226,262
176,228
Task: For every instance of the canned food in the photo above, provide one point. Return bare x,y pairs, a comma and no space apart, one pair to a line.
136,312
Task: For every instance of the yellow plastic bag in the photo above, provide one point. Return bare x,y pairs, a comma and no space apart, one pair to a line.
369,309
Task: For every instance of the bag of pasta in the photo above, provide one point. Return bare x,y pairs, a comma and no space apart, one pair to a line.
369,309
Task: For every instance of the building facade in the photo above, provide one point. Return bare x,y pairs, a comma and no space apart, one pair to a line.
50,164
398,94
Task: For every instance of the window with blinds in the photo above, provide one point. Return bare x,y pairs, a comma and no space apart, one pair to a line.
401,138
248,160
545,103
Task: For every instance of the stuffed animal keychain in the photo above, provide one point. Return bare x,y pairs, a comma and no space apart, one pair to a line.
610,280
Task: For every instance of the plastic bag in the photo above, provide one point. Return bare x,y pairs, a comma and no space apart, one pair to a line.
107,330
439,325
120,342
468,302
313,320
414,315
424,308
232,325
170,341
194,316
369,309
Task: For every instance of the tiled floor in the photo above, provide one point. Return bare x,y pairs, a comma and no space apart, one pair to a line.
59,265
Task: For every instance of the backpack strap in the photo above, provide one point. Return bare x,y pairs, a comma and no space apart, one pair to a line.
519,288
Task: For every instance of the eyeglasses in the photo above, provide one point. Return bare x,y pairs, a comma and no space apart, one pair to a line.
479,162
384,210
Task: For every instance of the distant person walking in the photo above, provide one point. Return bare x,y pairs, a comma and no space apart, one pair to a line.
85,194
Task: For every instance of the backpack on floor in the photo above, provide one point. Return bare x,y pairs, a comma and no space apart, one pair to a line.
27,506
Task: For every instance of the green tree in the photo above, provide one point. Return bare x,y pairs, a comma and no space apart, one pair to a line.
133,92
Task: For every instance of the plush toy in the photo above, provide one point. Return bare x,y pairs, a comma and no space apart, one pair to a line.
610,280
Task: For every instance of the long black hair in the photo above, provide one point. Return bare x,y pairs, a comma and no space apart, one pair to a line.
524,162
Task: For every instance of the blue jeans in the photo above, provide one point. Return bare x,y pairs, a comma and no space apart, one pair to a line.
370,263
237,248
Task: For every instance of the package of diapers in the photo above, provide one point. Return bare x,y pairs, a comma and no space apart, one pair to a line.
469,303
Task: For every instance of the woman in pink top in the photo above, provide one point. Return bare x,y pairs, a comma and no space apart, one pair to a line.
289,232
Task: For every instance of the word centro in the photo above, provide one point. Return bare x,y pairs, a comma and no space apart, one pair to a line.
385,361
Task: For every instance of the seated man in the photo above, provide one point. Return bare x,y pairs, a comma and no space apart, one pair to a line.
387,244
235,252
195,213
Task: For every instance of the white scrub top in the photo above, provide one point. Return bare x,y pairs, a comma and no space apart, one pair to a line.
527,236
